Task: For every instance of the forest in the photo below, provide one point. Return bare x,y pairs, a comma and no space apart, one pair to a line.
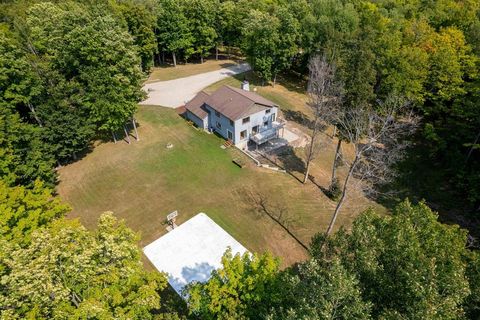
71,73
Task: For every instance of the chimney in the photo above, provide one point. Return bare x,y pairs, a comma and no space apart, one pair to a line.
245,85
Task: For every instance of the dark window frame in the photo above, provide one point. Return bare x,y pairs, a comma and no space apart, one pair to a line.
243,134
246,120
267,111
218,125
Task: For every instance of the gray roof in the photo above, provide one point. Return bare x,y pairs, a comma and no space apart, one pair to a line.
195,105
236,103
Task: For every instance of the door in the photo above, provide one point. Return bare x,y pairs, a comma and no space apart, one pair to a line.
230,135
254,130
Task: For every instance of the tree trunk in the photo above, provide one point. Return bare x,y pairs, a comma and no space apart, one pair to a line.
229,52
126,134
201,58
334,131
274,79
342,198
334,167
310,153
34,113
471,148
216,53
163,56
174,59
135,128
114,137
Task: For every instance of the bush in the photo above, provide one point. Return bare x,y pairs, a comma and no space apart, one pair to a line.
334,191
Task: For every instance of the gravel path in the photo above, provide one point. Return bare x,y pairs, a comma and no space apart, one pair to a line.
175,93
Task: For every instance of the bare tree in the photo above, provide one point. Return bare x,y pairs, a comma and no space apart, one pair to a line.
379,141
324,96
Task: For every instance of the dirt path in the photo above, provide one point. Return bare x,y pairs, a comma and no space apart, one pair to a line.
175,93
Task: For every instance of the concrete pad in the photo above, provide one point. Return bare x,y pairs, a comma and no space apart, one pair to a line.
175,93
191,251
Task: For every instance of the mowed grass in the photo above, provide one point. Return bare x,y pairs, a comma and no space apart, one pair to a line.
169,72
144,181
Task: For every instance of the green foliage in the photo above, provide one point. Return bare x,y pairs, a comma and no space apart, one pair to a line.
173,29
408,265
141,18
270,41
68,272
202,18
321,290
237,291
24,157
25,210
111,82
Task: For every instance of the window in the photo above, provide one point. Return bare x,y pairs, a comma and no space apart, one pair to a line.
273,117
267,111
243,134
265,124
217,114
229,135
255,130
218,125
246,120
231,123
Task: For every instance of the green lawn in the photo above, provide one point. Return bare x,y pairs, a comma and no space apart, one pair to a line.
144,181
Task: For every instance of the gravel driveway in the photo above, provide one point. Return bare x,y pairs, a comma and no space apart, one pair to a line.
175,93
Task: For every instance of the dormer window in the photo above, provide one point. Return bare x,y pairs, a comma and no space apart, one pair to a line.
246,120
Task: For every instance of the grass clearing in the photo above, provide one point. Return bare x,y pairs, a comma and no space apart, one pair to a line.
144,181
169,72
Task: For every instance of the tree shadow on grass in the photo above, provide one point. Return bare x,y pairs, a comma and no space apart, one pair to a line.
286,159
298,117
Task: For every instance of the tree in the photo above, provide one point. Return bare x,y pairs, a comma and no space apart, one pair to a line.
69,272
24,157
325,94
237,291
26,210
202,18
321,290
141,19
379,141
111,82
409,265
270,41
173,31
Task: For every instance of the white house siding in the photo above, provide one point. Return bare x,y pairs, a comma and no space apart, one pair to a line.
255,119
201,123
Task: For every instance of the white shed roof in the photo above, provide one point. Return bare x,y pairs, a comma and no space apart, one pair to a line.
191,251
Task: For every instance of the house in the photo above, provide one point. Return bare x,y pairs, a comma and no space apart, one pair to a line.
236,114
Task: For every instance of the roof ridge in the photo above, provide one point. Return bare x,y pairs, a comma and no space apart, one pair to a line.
239,91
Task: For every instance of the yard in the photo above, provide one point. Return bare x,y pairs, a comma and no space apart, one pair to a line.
144,181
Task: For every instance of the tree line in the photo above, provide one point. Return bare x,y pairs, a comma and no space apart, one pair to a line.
59,80
404,266
71,72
